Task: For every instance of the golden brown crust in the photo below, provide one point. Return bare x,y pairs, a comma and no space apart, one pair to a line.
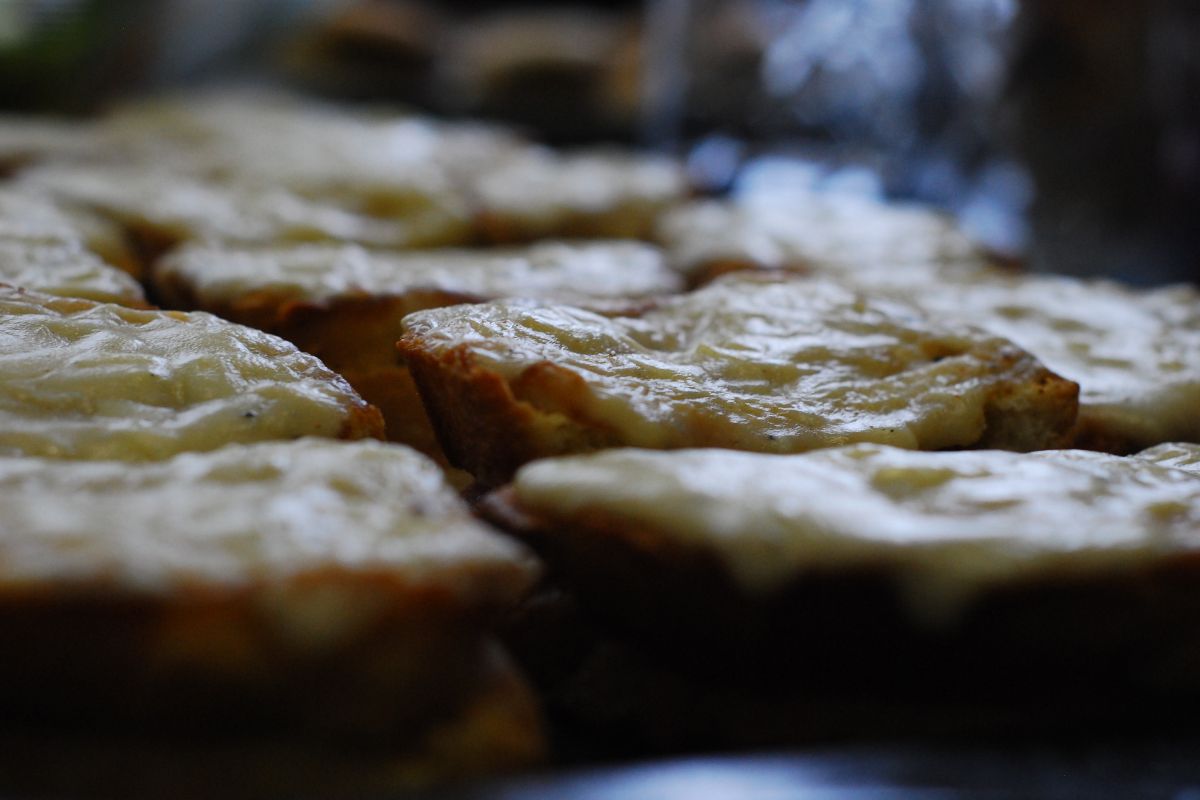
484,426
1036,413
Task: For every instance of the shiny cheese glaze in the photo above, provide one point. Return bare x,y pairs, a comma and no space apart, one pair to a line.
249,516
1135,354
88,380
769,365
820,232
318,273
1180,455
67,271
946,524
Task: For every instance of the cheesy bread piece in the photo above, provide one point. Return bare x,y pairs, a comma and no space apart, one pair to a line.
311,594
344,304
87,380
1134,353
749,363
1180,455
865,589
161,208
815,232
68,271
540,194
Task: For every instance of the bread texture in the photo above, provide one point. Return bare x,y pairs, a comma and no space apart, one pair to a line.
315,593
749,363
87,380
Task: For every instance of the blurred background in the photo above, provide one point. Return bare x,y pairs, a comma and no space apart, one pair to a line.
1065,132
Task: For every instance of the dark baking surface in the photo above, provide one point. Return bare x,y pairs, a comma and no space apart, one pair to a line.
1143,769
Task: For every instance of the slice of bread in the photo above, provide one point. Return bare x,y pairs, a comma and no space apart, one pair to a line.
345,304
750,362
315,594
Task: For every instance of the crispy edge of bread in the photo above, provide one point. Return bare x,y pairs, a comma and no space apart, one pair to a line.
483,425
354,335
490,426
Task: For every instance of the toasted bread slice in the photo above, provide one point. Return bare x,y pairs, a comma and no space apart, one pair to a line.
871,575
94,380
750,363
311,591
344,304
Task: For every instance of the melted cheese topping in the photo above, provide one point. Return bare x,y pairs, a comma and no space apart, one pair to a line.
779,366
66,271
820,232
282,140
947,524
1135,354
317,273
183,207
541,190
88,380
249,516
1179,455
32,219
